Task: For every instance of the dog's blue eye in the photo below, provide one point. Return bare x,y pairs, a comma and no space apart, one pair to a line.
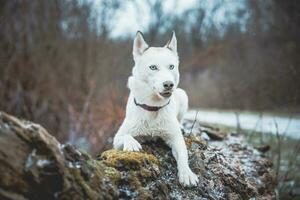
171,67
153,67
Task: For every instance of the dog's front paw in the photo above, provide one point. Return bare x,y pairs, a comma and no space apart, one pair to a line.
187,177
130,144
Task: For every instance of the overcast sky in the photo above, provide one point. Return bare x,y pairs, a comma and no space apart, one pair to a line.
128,20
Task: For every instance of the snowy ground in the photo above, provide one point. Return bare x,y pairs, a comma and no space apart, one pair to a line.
289,126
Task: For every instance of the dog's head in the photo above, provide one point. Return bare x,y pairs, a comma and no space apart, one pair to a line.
156,66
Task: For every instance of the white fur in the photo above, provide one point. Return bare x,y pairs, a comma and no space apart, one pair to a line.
145,86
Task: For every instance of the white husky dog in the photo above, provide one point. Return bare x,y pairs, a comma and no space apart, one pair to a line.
155,105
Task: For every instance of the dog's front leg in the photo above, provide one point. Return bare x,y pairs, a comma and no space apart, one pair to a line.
124,140
179,151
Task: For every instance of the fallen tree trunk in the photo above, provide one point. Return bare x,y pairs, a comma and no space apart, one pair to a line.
34,165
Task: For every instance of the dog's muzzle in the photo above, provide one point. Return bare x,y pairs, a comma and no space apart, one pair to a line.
168,89
166,94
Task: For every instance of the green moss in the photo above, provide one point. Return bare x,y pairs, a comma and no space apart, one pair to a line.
117,159
193,139
112,173
145,173
139,168
136,184
91,194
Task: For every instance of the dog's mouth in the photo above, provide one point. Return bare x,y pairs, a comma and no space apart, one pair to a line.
166,94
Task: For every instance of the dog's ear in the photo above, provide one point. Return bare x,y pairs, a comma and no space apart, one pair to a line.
139,45
172,44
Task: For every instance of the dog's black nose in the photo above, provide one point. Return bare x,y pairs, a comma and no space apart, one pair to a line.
168,85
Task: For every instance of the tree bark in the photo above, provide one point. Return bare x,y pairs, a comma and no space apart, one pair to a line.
34,165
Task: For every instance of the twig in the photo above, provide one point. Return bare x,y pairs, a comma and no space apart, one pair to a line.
291,161
278,151
257,123
79,123
238,124
288,125
194,122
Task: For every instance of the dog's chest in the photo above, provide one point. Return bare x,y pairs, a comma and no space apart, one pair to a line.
150,127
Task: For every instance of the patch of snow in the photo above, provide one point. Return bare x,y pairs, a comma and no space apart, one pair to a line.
250,121
5,126
43,162
29,161
76,165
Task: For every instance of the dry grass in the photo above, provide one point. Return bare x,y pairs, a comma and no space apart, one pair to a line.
97,120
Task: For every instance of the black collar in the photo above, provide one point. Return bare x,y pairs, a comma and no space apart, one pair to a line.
150,108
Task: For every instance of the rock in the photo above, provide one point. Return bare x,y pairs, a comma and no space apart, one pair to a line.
213,134
263,148
37,166
34,165
206,131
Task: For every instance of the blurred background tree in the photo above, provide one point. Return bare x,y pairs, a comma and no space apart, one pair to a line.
64,63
